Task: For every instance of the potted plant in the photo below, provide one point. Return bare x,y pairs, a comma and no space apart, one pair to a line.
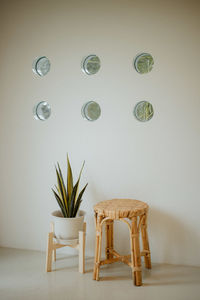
68,221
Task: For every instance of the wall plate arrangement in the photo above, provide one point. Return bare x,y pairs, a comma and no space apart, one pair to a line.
91,111
42,111
41,66
143,111
91,64
143,63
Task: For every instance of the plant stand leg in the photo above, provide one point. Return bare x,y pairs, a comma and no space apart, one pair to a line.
49,252
82,249
54,250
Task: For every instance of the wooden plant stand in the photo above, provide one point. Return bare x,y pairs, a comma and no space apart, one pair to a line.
54,243
134,214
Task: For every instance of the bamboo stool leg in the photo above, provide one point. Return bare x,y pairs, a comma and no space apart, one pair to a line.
99,232
81,248
109,239
49,252
145,242
96,248
135,253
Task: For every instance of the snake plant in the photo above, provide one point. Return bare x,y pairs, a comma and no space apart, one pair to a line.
68,196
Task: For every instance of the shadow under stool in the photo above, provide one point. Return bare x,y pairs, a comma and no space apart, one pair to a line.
134,214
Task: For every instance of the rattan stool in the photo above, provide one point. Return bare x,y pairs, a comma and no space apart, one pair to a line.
134,214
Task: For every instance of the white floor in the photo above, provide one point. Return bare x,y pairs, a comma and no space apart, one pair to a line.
23,276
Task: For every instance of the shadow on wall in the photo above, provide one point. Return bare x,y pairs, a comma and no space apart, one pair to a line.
171,240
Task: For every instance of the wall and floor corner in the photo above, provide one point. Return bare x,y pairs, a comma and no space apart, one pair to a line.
156,162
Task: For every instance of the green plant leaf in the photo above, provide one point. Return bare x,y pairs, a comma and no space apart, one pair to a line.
68,196
72,203
69,180
79,200
58,190
76,208
63,190
77,191
59,184
59,203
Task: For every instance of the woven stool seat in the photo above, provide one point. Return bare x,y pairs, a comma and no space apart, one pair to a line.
122,209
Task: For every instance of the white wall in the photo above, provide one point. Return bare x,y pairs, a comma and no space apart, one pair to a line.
157,161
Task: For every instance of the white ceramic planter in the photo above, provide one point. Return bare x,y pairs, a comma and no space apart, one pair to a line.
67,228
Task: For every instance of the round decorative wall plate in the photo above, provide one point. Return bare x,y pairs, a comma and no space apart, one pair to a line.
143,63
91,65
143,111
41,66
91,111
42,111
